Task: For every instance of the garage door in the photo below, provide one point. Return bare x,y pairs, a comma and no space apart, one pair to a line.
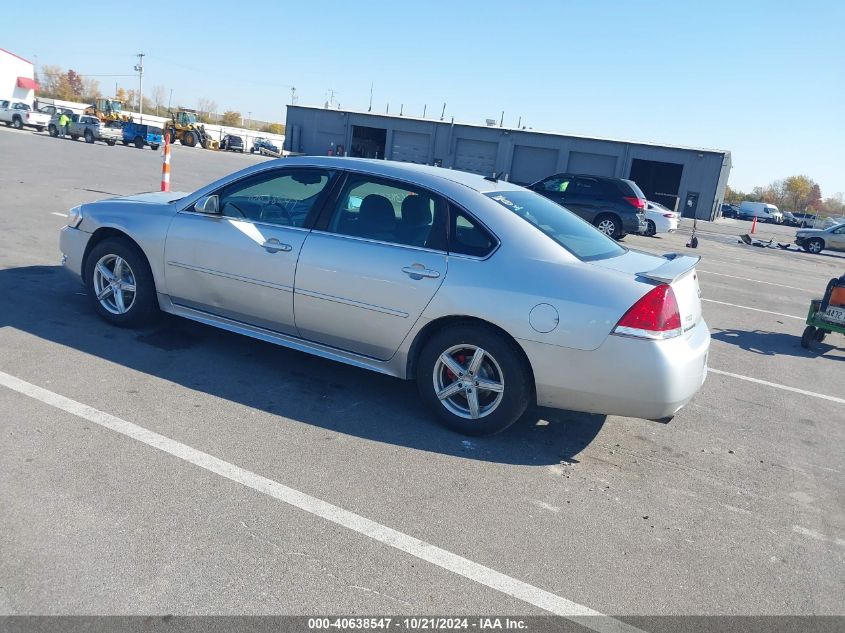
410,147
593,164
479,157
531,164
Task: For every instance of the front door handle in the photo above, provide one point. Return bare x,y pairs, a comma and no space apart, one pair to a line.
418,271
274,246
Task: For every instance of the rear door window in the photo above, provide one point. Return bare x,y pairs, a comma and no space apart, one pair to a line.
389,211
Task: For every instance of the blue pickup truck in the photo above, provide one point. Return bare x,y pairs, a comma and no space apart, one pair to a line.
141,135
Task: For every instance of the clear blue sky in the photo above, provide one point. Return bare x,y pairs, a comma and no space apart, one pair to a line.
764,79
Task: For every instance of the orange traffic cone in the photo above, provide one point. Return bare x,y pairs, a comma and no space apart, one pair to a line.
754,225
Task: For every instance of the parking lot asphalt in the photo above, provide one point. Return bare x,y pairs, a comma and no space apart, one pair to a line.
734,507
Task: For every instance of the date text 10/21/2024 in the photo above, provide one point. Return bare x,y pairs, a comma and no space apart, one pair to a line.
416,623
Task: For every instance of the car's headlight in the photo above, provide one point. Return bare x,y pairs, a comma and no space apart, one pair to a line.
74,216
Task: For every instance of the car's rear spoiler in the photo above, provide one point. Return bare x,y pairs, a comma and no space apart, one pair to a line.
677,266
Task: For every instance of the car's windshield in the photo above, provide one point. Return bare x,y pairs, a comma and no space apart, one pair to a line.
564,227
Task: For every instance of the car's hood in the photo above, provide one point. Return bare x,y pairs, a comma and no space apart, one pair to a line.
808,232
153,197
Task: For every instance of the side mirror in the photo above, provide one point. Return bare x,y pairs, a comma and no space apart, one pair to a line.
209,204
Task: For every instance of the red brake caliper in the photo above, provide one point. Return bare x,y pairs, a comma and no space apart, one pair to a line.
461,360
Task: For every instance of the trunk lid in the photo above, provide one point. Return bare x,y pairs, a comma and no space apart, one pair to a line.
674,269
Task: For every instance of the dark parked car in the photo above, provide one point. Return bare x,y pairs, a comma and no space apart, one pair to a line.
730,211
613,205
263,143
232,143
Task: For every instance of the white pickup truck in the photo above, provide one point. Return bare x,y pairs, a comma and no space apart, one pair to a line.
19,114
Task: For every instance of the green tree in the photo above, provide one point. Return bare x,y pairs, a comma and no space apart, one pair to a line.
231,118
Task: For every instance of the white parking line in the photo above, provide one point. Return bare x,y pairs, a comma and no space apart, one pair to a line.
61,215
420,549
777,386
735,305
768,283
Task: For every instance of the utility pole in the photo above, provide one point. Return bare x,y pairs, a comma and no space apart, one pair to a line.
370,109
248,119
293,95
140,68
169,100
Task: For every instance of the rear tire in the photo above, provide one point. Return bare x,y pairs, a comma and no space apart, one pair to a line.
820,335
39,128
651,231
89,136
808,337
111,143
139,142
609,225
142,305
17,123
501,368
154,147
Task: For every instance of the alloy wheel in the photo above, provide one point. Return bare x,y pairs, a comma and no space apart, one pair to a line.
468,381
114,284
607,227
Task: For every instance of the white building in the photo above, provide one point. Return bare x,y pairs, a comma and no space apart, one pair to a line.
17,77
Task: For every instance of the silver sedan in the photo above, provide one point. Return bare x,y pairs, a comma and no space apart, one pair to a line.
492,297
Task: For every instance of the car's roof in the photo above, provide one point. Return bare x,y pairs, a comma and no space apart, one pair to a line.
423,174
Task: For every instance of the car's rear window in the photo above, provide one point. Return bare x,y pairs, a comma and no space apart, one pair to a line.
637,191
575,235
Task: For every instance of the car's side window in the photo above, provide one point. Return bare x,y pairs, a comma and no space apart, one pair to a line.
466,236
556,183
284,197
389,211
588,187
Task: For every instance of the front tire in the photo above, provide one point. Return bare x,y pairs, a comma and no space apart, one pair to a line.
814,246
154,147
52,131
473,379
120,283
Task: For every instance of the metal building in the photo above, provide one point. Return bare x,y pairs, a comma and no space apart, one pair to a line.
689,179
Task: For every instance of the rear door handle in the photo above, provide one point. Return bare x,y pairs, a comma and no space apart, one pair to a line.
418,271
274,246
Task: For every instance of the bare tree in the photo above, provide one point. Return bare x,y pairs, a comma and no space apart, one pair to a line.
157,95
206,107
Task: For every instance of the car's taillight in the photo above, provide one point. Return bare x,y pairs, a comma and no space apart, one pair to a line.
639,203
654,316
668,215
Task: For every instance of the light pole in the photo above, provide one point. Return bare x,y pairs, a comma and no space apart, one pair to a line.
140,68
248,119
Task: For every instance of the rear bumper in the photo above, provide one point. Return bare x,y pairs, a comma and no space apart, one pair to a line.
624,376
634,223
